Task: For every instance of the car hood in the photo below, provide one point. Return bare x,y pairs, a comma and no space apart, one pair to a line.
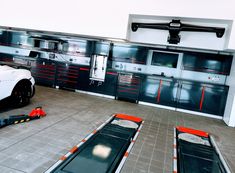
5,68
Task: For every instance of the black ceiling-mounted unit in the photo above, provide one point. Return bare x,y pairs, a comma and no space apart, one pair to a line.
175,26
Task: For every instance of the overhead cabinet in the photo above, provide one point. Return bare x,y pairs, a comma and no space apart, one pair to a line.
165,59
209,63
79,47
129,54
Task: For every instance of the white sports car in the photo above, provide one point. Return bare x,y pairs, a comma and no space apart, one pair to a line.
17,85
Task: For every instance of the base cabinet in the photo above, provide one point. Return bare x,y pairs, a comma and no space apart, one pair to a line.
128,87
194,96
189,95
44,72
108,87
159,91
215,99
67,76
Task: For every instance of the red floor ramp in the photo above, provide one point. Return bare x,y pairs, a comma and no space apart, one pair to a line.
105,150
195,151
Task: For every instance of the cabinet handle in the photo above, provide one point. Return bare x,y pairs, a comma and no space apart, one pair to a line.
202,97
159,91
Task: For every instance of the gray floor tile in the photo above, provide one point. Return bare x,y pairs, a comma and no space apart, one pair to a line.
34,146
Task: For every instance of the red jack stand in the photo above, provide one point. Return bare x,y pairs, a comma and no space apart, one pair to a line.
37,112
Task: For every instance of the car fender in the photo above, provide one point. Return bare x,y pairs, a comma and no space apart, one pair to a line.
7,85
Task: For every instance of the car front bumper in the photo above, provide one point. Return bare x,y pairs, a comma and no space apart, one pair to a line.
32,86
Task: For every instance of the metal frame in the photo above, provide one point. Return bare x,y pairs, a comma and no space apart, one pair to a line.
75,148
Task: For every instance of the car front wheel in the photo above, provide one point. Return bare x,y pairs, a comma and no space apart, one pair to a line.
21,94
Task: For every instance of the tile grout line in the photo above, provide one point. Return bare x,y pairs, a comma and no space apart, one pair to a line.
166,146
39,131
140,150
151,159
12,168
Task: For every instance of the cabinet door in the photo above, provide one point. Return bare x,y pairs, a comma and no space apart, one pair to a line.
215,100
167,93
67,76
209,63
129,53
6,57
159,91
44,72
110,84
149,89
83,80
190,96
108,87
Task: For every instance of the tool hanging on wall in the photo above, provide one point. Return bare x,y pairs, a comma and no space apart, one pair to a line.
36,113
175,26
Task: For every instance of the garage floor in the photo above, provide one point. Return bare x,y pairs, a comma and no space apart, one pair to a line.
35,146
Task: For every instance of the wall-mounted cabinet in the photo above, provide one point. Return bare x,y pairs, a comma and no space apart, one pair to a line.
165,59
9,38
79,47
129,53
101,48
209,63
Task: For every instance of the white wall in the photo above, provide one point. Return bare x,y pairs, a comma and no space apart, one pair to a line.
105,17
229,113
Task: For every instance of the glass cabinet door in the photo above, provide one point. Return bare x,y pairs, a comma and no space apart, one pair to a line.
209,63
190,96
107,87
149,89
215,99
167,93
159,91
129,54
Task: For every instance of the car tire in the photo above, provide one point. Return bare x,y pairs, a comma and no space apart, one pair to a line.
21,94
